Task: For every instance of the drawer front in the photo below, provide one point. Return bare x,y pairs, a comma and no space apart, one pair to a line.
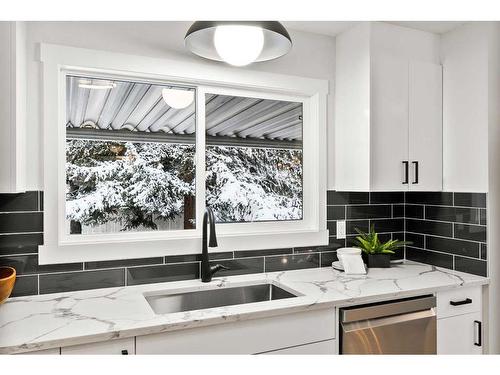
121,346
54,351
245,337
459,301
323,347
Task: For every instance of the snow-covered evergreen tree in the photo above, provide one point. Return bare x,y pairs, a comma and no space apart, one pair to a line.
129,183
254,184
135,184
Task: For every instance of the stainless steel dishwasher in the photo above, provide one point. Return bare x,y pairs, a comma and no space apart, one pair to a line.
406,326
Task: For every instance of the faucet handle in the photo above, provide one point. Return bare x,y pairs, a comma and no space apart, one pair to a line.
217,268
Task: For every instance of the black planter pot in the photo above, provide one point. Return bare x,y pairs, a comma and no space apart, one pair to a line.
377,260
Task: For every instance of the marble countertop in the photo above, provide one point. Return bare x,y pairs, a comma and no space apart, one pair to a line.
63,319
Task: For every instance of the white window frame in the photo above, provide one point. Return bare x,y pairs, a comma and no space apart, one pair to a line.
59,246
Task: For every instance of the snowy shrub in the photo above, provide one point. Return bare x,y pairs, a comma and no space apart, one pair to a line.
138,184
254,184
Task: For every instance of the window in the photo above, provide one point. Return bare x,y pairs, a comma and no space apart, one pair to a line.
253,159
130,156
136,148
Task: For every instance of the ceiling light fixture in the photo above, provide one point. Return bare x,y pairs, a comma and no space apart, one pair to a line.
238,43
177,99
96,84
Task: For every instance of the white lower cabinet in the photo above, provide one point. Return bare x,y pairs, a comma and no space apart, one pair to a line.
245,337
323,347
120,346
53,351
460,334
459,323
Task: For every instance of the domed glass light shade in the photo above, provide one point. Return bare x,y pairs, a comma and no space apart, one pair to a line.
238,43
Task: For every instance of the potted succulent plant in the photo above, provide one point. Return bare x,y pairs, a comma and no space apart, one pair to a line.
375,253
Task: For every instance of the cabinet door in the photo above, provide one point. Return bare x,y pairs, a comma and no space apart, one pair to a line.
12,106
121,346
323,347
460,334
389,123
425,127
244,337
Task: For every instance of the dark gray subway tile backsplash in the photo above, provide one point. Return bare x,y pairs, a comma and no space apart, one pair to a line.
26,285
260,253
431,198
122,263
384,210
436,228
446,229
27,243
469,199
162,273
240,266
28,264
21,222
470,232
291,262
429,257
455,214
28,201
69,281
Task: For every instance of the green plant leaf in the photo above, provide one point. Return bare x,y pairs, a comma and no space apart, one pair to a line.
370,242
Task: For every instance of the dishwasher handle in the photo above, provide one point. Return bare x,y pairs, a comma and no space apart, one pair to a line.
387,309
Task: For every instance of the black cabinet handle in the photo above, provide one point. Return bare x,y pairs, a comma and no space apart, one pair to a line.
124,352
415,163
458,303
405,163
478,333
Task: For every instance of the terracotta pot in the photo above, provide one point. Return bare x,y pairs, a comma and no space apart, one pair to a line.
7,280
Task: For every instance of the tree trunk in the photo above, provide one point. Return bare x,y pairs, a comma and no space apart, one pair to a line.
75,227
189,212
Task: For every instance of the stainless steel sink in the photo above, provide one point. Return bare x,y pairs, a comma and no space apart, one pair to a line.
205,299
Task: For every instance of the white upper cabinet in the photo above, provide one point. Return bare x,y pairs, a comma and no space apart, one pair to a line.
388,123
12,107
425,126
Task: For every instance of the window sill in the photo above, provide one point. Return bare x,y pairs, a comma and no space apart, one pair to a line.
79,252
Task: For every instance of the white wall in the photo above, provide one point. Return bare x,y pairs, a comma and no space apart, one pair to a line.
464,55
313,56
471,125
399,42
494,185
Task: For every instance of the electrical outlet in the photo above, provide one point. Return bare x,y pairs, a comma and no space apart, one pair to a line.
340,229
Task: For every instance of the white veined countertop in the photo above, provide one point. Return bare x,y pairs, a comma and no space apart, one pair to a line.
63,319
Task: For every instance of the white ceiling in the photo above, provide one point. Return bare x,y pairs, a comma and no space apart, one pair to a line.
332,28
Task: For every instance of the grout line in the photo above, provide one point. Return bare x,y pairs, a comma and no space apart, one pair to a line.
448,238
15,255
446,222
445,253
20,233
364,204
